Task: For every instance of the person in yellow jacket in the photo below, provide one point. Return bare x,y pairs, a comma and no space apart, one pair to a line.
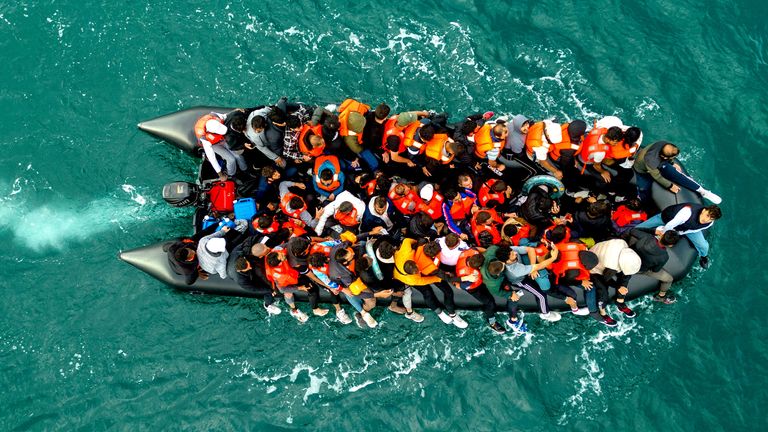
407,272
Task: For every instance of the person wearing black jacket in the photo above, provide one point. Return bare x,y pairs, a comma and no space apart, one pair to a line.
182,256
246,266
653,253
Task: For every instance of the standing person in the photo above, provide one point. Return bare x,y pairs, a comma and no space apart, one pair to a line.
210,132
652,249
689,220
656,163
617,262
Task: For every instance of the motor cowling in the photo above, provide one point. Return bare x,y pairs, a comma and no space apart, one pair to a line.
181,194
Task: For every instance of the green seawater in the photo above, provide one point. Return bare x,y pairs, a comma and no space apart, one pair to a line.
90,343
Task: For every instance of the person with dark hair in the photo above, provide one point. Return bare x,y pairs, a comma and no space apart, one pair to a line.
373,132
346,211
470,274
563,153
294,206
285,278
380,213
593,221
265,135
297,252
571,269
656,163
421,225
246,267
210,133
617,262
594,150
652,249
628,215
689,220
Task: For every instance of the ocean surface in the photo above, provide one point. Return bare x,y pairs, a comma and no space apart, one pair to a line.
90,343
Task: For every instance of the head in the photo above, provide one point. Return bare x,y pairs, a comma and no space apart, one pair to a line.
259,250
427,132
500,130
483,217
634,204
499,187
275,258
476,261
237,124
613,136
317,260
599,208
576,130
485,239
669,152
293,123
452,240
468,127
465,181
185,254
424,219
669,238
331,124
344,256
525,126
346,207
629,261
242,265
316,141
393,142
711,213
296,203
386,250
509,230
401,189
631,135
299,246
557,234
277,117
270,173
258,123
432,249
326,177
410,267
264,221
380,204
381,113
495,268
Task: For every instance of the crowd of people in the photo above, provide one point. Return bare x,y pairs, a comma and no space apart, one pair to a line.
371,206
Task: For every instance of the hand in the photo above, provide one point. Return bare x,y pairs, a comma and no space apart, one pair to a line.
659,231
463,236
223,176
674,188
534,274
386,293
553,251
249,146
606,176
318,213
225,229
555,207
678,167
514,296
377,230
410,164
280,162
355,163
587,284
303,288
202,275
469,278
306,158
301,186
623,290
426,172
558,174
385,157
331,197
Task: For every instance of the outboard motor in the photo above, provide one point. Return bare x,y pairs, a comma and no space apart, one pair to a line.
181,194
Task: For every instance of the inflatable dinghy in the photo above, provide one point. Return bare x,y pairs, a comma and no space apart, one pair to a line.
177,129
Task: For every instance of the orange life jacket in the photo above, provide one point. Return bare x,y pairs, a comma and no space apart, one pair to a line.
533,138
319,160
409,140
565,144
370,187
347,219
283,275
463,269
269,230
567,237
569,260
392,129
284,206
295,226
592,145
462,208
426,265
484,141
434,207
522,233
621,151
485,194
403,202
323,249
623,216
202,133
346,108
492,227
435,149
304,134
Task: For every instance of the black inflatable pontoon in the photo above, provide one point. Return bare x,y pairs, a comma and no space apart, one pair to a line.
177,128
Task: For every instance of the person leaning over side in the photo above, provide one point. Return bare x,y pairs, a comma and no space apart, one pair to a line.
652,249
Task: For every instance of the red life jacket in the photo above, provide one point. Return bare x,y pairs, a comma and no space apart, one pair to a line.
434,208
485,194
202,133
492,227
304,135
623,216
392,129
370,187
284,206
461,209
569,260
336,170
269,230
463,269
522,233
283,275
592,145
323,249
403,202
567,237
295,226
347,219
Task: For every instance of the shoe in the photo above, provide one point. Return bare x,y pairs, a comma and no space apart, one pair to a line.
415,317
299,315
498,328
629,313
580,311
343,318
272,309
444,317
518,326
551,316
704,262
359,320
368,318
397,309
459,322
715,199
610,322
320,312
668,298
